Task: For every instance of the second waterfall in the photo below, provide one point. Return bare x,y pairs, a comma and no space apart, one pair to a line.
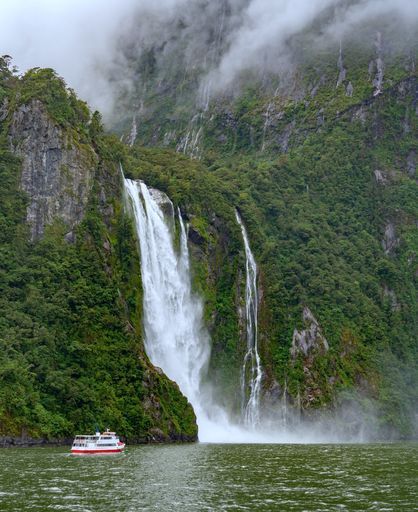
252,374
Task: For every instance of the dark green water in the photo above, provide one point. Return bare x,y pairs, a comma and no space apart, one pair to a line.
213,477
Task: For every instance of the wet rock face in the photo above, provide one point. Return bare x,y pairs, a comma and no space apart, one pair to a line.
56,173
195,237
411,164
163,201
390,241
283,138
309,339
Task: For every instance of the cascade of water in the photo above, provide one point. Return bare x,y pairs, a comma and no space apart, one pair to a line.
134,132
252,373
267,119
342,72
175,338
284,404
298,406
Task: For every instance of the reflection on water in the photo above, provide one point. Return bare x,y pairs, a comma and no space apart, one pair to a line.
213,477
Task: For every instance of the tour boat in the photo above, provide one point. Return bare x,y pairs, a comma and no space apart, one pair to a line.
99,444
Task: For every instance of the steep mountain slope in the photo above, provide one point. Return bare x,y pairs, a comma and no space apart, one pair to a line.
333,226
318,156
320,159
72,355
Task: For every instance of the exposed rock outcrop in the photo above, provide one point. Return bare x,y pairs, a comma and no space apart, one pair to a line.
56,171
380,177
411,164
391,296
349,90
390,240
283,137
163,201
28,442
309,339
195,237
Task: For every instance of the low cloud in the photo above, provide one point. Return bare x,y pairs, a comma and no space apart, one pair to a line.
267,25
91,43
79,39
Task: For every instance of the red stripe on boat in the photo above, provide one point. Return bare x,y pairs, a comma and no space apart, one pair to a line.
97,451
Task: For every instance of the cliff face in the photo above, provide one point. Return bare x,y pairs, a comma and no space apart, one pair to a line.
321,163
57,173
316,78
323,171
309,339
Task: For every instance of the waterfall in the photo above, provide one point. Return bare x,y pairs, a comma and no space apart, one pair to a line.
298,405
284,404
175,338
267,118
252,373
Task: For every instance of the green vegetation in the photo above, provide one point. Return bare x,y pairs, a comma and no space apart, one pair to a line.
207,202
316,213
71,350
316,217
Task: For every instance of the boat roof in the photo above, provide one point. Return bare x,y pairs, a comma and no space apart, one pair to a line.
96,435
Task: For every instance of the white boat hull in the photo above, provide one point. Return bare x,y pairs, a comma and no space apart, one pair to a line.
106,443
97,451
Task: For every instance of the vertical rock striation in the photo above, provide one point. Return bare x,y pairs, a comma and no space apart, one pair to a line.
56,171
310,338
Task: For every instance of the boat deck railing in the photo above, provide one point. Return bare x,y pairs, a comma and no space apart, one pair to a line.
82,441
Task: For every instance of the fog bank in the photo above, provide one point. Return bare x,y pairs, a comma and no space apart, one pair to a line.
87,42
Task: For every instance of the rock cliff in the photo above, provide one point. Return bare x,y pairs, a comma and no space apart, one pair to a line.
57,171
309,339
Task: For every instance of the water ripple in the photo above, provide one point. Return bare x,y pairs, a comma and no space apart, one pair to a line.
192,478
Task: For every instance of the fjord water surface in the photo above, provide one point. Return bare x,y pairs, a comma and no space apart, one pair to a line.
208,477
